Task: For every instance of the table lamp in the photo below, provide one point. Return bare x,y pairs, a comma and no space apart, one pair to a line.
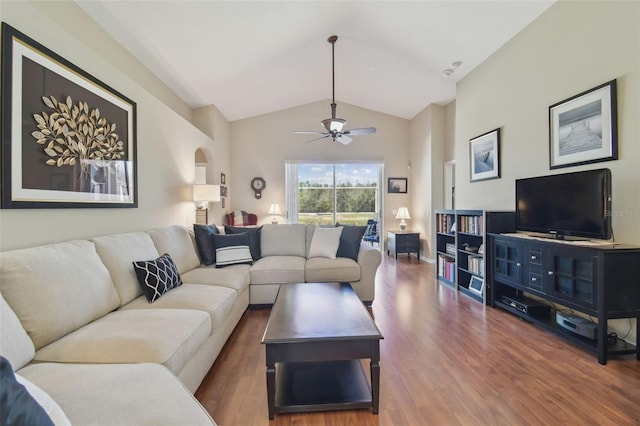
403,213
203,193
275,210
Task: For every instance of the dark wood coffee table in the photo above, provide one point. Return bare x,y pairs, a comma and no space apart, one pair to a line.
315,338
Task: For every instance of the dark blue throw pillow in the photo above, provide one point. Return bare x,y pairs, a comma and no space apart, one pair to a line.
17,406
254,238
350,240
204,242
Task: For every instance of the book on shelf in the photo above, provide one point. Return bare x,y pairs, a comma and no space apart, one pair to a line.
446,268
471,225
475,265
446,223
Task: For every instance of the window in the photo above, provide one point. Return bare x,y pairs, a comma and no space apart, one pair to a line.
325,193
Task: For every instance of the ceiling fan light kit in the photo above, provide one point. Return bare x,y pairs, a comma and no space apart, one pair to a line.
334,126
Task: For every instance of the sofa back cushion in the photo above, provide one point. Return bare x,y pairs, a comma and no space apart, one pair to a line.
56,289
118,252
283,240
177,242
15,344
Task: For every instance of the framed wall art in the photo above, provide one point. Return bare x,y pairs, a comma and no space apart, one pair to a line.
223,179
484,156
68,140
583,128
397,186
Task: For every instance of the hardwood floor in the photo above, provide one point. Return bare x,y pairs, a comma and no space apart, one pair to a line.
445,360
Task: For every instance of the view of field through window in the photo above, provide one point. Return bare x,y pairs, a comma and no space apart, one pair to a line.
344,193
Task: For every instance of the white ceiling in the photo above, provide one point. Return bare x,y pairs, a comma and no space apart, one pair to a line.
253,57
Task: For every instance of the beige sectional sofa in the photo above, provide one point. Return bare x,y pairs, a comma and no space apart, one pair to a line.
76,324
285,259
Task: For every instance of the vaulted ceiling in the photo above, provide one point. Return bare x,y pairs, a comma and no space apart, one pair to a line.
254,57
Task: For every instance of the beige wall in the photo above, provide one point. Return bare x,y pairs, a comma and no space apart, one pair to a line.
262,144
428,150
572,47
166,140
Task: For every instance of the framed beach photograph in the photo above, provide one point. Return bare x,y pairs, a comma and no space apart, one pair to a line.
484,156
68,140
584,128
397,186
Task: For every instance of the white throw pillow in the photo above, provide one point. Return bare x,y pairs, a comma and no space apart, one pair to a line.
325,242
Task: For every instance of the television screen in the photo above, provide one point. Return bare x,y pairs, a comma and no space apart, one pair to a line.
571,204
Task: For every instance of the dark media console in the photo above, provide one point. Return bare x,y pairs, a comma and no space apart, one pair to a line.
597,280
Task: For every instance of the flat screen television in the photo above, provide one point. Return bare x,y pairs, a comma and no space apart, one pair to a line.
570,204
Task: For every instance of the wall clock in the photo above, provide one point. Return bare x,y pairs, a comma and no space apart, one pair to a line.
258,184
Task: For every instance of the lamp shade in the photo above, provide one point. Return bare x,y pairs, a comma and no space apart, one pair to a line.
403,213
275,209
334,124
206,192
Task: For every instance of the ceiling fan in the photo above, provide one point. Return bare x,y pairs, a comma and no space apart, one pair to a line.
333,125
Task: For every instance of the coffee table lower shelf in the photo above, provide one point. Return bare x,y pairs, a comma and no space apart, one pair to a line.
321,386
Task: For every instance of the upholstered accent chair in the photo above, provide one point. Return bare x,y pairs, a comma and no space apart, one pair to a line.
372,234
241,218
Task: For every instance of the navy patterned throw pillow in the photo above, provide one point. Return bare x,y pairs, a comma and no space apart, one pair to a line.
158,276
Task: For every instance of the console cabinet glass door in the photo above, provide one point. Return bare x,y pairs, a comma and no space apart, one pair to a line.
572,277
507,259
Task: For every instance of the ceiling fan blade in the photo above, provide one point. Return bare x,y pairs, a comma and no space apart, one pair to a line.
343,139
316,139
363,131
304,132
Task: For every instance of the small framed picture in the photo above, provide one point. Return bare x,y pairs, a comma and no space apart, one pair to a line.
397,186
223,206
583,128
223,179
476,285
484,156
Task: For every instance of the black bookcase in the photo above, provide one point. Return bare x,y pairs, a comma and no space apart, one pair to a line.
461,241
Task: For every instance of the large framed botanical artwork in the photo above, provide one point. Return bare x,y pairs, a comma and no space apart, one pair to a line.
68,139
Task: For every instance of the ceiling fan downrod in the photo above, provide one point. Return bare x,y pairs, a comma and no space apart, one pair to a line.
333,40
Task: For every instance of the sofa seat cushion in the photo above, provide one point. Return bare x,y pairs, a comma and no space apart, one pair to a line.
118,394
278,270
236,277
214,300
56,289
117,252
163,336
340,269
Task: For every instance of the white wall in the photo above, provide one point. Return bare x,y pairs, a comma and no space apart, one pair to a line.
262,144
166,140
